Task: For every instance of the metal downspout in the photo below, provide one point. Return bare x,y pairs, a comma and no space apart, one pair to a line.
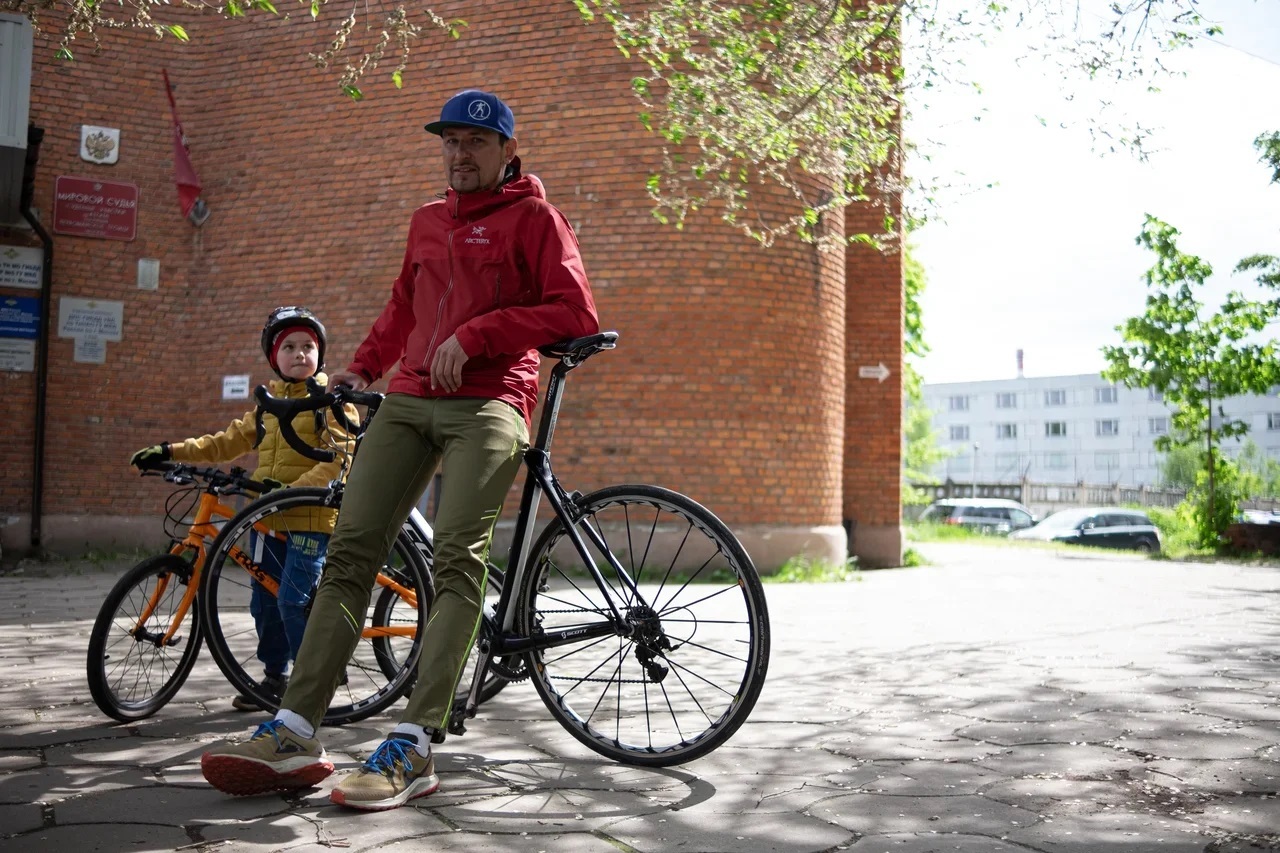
35,135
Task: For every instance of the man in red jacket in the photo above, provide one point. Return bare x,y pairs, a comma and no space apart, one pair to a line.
491,272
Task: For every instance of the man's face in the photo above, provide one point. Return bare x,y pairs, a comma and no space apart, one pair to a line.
475,158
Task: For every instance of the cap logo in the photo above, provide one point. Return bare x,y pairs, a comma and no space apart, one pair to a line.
478,110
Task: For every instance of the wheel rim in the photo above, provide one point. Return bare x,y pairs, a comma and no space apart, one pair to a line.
137,669
364,687
694,662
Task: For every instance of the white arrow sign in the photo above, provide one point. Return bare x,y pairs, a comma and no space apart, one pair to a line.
878,372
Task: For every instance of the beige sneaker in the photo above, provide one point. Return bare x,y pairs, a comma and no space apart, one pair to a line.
274,759
395,774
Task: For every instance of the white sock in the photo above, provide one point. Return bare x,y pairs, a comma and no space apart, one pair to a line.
419,734
297,723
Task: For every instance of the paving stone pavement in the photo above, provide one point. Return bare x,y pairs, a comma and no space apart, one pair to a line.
997,700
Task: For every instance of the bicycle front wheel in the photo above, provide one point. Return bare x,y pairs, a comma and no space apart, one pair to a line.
682,672
385,657
143,644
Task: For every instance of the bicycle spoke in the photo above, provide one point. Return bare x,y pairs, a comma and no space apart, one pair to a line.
679,677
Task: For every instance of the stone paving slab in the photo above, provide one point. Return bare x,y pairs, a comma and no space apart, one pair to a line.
998,700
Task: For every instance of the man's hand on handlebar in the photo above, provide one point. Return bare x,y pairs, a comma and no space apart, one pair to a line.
354,381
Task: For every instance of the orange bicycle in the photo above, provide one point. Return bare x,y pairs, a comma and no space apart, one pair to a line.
148,633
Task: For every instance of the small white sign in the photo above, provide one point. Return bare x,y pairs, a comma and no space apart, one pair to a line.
99,144
17,355
879,372
148,274
96,317
90,349
235,387
21,266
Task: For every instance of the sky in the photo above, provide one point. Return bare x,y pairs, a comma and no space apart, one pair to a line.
1045,261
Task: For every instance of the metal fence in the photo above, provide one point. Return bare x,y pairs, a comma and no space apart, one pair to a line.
1044,498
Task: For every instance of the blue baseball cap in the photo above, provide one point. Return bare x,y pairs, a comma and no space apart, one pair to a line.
474,108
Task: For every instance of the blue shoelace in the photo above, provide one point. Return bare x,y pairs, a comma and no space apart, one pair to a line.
268,728
388,753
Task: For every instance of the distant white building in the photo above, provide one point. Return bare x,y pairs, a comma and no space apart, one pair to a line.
1066,429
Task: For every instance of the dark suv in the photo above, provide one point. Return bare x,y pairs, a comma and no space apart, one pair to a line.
986,515
1102,527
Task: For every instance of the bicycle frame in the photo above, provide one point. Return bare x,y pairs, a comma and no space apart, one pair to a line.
200,533
499,637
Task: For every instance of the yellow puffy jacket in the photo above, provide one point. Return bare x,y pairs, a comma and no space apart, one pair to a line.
276,459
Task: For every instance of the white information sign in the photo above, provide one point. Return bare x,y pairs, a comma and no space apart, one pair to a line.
90,349
148,274
17,355
235,387
21,266
99,318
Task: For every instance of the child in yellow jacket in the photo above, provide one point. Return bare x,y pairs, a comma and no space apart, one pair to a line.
293,340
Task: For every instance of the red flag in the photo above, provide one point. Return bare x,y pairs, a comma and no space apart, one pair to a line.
184,174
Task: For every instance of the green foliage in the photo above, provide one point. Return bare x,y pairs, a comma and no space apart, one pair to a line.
1179,465
805,569
781,100
1269,145
1197,359
1178,532
920,450
912,558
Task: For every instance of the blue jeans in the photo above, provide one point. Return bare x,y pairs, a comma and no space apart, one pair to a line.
295,563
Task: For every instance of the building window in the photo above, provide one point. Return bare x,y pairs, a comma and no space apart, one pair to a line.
958,403
1155,396
1056,397
1105,395
1108,427
1055,429
1107,461
1273,420
959,433
1006,400
1006,430
1006,462
1158,426
1056,461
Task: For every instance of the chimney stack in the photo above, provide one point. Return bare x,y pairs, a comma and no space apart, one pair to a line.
1019,364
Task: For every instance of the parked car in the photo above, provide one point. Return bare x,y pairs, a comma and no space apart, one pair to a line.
1103,527
987,515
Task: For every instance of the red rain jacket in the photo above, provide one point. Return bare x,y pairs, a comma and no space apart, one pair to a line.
501,270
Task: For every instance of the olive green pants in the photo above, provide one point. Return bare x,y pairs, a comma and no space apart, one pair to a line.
479,445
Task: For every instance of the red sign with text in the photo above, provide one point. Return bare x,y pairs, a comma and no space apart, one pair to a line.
84,207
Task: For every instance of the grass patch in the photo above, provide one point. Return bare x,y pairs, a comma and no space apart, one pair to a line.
912,558
805,569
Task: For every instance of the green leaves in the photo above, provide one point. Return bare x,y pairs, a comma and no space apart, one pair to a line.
177,32
1196,359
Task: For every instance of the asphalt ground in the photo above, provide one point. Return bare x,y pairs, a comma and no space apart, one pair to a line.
998,699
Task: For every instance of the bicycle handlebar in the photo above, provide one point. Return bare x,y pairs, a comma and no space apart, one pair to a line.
571,353
216,480
287,408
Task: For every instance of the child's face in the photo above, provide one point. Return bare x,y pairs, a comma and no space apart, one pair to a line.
296,358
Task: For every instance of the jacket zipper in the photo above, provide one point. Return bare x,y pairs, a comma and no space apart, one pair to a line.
439,309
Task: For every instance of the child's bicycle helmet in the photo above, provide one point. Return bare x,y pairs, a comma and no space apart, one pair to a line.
291,316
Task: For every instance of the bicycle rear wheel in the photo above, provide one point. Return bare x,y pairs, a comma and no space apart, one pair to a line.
132,670
692,661
386,656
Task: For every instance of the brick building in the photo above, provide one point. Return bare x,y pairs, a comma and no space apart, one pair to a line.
736,379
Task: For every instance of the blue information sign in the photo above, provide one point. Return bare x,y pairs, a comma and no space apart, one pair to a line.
19,317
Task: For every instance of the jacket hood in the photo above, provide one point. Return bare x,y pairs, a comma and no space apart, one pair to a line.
516,187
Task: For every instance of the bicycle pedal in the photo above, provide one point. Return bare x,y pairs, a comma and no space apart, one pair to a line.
456,727
437,736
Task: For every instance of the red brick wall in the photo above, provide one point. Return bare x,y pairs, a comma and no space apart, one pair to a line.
729,382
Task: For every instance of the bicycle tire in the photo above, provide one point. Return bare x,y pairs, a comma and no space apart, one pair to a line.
230,633
132,676
705,636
